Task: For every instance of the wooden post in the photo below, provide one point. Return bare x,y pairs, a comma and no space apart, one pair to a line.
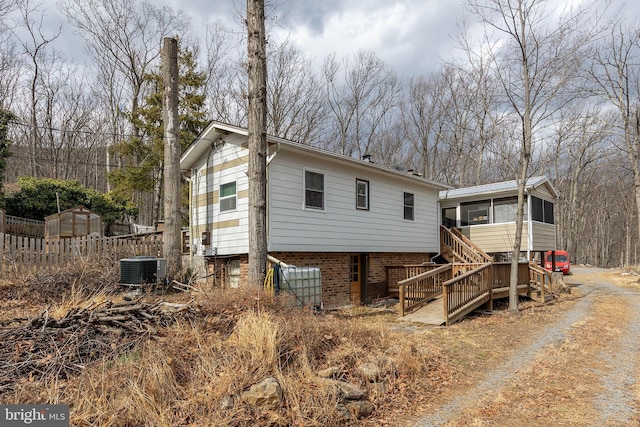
172,215
401,296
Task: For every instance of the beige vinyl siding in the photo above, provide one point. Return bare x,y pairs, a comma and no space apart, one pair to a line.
340,227
229,230
496,237
544,236
543,192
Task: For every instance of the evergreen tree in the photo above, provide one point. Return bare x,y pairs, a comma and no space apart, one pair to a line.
145,154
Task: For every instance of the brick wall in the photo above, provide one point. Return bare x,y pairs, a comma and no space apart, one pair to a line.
334,268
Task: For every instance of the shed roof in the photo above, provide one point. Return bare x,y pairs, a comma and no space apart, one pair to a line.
497,188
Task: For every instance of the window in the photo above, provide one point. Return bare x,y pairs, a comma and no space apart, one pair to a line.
537,209
542,210
449,217
474,213
505,210
548,212
313,190
408,206
362,194
228,197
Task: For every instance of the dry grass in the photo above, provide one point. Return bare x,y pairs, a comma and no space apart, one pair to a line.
184,374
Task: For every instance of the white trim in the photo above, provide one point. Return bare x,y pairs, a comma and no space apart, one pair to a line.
235,196
304,190
367,194
413,193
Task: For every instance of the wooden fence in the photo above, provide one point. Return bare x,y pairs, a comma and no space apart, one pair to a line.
32,253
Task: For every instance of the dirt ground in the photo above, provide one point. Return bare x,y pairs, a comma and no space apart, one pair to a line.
571,362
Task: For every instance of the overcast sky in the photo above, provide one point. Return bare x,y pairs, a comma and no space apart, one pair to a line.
412,36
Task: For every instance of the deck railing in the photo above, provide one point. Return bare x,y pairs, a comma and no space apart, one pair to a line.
462,247
540,280
481,255
396,273
420,289
466,292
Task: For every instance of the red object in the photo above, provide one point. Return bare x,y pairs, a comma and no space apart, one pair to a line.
563,262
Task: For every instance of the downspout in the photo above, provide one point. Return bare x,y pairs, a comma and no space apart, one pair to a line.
270,157
529,228
190,181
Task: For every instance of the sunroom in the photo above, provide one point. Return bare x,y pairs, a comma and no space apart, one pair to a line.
486,214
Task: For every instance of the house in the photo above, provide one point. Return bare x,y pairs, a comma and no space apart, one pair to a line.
349,217
354,219
486,214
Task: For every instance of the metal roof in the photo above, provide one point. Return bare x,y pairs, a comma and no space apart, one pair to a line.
496,188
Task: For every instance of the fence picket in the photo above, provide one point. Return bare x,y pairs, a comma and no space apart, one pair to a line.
40,254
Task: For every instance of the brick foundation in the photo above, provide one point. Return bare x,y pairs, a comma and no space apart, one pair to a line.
334,268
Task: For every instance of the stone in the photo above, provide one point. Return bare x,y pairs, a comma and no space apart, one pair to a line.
343,411
226,402
360,408
267,393
331,372
369,371
348,391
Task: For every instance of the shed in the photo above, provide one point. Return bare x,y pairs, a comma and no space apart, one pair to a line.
74,222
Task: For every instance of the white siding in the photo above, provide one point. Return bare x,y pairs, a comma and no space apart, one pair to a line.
340,227
225,165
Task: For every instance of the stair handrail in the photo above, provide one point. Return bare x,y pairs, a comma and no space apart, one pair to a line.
469,242
428,291
469,251
457,302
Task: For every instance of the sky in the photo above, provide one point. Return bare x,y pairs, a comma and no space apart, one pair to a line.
409,35
412,36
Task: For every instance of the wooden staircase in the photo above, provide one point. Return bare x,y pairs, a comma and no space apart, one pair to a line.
467,282
456,247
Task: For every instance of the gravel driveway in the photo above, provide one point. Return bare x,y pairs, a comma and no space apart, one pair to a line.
597,338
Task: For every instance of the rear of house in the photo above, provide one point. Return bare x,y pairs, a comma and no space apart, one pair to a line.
349,217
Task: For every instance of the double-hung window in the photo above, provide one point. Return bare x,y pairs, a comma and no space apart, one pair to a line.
228,197
313,190
362,194
408,206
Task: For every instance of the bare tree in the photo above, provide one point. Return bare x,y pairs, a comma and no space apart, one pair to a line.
173,218
616,78
34,47
257,139
422,113
533,66
362,96
296,101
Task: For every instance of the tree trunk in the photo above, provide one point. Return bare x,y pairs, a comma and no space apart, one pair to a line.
172,218
257,139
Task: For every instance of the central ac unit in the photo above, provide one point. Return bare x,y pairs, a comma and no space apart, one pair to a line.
138,271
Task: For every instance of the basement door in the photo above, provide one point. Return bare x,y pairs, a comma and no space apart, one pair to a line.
355,274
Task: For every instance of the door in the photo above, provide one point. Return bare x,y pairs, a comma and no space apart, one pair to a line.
355,276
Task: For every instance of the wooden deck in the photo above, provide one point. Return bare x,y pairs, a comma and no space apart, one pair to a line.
430,314
447,293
